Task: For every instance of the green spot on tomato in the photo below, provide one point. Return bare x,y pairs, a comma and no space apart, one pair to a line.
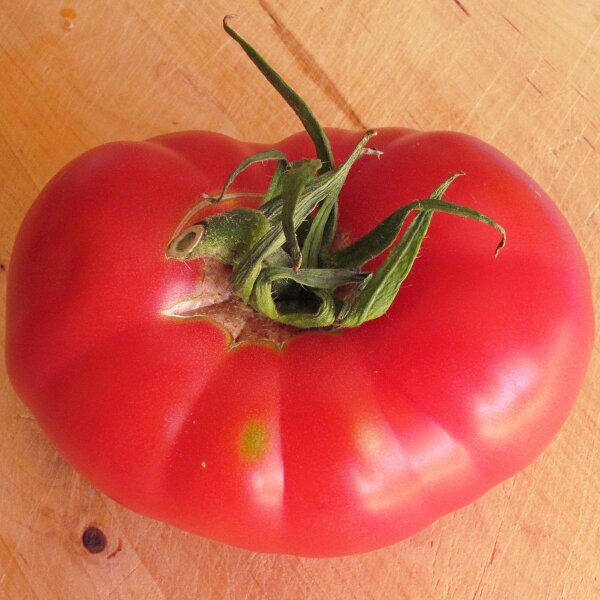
253,440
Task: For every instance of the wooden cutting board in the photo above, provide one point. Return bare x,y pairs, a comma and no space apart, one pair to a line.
522,75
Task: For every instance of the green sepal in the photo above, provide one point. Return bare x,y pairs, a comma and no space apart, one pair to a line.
294,180
382,236
313,244
377,295
322,279
373,298
292,98
322,230
320,282
274,188
247,162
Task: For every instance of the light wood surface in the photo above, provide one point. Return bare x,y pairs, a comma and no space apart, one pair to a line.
522,75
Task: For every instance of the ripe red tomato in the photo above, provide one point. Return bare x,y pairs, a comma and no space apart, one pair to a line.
340,442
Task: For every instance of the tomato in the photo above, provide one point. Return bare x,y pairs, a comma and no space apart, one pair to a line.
340,441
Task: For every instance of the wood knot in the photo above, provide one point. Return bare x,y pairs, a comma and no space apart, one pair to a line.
93,540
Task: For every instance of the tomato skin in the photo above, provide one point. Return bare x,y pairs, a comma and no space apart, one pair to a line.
341,442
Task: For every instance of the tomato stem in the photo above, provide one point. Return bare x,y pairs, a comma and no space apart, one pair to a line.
281,254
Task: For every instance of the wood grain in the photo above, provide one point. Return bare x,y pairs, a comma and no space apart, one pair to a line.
524,76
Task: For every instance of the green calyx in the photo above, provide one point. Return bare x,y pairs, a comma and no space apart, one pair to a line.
283,261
